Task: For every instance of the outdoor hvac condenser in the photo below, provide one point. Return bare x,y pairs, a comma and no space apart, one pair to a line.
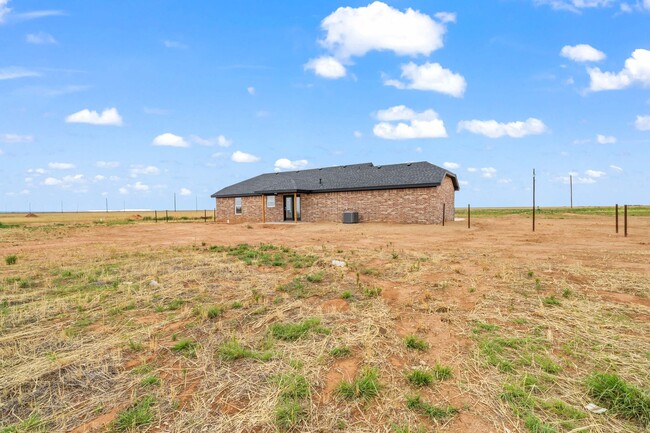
350,217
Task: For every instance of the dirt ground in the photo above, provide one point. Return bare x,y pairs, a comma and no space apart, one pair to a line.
571,286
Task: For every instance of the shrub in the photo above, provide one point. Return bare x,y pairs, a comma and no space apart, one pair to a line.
11,259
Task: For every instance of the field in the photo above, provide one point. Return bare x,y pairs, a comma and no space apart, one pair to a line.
114,323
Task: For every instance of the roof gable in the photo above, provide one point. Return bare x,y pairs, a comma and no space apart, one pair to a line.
354,177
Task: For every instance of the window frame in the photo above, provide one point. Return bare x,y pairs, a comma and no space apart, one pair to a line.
268,205
241,207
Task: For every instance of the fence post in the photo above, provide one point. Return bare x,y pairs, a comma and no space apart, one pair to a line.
469,216
166,216
214,215
155,216
616,218
205,215
443,214
625,219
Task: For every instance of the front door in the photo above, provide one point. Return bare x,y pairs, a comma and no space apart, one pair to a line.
288,208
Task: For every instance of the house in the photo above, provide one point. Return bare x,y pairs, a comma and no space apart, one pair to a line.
414,192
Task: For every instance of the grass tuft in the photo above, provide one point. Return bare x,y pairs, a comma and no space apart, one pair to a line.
341,352
416,404
420,378
186,347
365,385
294,331
232,350
11,259
622,398
415,343
139,414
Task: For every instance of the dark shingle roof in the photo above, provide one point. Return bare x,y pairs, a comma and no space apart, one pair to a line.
355,177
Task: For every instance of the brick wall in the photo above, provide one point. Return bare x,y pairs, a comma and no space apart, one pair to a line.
408,205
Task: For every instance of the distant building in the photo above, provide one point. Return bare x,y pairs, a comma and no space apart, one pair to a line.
399,193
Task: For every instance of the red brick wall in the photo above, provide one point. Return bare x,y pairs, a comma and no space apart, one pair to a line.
408,205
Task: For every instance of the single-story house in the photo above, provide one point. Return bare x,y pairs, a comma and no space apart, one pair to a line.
414,192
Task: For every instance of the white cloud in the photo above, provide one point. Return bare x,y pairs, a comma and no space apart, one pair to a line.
156,111
420,125
14,72
472,169
185,191
250,90
99,178
594,173
32,15
16,138
109,116
174,44
220,140
451,165
36,170
61,166
417,150
446,17
582,53
51,181
636,71
574,5
494,129
286,164
170,140
581,141
1,152
357,134
488,172
139,170
578,180
432,77
74,178
353,32
605,139
504,181
139,186
642,123
40,38
326,67
463,182
123,191
4,10
239,156
616,167
107,164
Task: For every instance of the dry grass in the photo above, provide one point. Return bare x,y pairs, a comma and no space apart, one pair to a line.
87,333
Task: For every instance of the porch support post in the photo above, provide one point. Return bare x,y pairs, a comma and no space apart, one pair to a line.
295,216
263,210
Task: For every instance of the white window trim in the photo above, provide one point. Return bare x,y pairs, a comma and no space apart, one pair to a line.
267,201
241,206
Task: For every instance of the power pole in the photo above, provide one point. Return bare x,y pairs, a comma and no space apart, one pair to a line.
533,199
571,187
106,204
174,202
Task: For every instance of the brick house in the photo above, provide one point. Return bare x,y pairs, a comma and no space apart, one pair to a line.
398,193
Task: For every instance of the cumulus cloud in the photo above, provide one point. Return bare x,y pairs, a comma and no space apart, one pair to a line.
451,165
574,5
13,72
16,138
605,139
326,67
594,173
353,32
61,166
420,125
220,140
446,17
40,38
636,71
4,10
66,181
185,191
494,129
99,177
170,140
582,53
140,170
472,169
488,172
109,116
250,90
51,181
642,123
430,76
107,164
286,164
239,156
139,186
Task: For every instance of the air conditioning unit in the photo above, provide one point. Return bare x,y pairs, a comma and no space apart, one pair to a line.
350,217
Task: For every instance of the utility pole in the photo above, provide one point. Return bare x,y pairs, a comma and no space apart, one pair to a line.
106,204
533,199
571,187
174,202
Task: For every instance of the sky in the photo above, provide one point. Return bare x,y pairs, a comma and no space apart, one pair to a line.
133,103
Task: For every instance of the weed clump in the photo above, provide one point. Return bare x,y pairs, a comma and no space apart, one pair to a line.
139,414
185,347
341,352
289,411
620,397
232,350
415,403
294,331
364,386
11,259
415,343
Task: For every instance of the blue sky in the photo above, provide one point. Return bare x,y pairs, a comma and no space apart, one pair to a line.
137,101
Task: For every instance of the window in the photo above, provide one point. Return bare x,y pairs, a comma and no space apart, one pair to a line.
237,205
270,201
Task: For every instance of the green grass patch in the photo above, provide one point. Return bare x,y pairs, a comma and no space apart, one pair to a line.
185,347
365,385
295,287
150,381
420,377
416,404
341,352
346,294
288,414
294,331
216,311
620,397
32,423
415,343
232,350
441,372
138,414
11,259
551,301
371,292
316,278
